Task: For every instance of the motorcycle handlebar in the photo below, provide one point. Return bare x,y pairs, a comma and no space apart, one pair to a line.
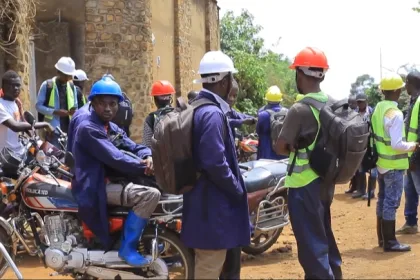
65,173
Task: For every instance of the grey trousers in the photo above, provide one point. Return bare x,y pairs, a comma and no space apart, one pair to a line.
142,199
208,263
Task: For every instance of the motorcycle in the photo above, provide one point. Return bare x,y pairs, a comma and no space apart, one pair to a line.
267,200
44,223
246,146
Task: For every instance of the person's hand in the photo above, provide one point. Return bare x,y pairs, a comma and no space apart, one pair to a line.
72,111
250,121
61,113
149,166
48,127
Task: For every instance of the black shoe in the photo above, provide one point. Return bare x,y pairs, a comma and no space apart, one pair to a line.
379,231
391,243
365,196
357,194
353,186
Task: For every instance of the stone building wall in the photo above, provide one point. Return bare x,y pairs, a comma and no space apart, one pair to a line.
119,41
183,73
212,26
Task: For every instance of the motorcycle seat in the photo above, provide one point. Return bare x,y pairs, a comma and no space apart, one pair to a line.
263,176
119,210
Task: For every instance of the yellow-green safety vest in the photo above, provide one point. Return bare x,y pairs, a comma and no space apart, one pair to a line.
414,124
303,174
388,158
51,101
83,99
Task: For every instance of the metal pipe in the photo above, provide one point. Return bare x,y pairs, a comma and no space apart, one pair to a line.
10,261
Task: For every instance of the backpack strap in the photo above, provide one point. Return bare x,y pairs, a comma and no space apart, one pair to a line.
197,103
271,112
180,102
340,104
312,102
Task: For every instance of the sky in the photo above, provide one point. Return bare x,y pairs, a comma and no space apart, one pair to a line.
351,34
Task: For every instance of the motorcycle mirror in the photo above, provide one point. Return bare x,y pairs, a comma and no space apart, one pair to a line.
69,160
29,117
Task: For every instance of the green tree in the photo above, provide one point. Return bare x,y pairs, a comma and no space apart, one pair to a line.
363,82
374,95
258,68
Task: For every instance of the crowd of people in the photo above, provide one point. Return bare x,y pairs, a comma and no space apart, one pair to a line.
217,229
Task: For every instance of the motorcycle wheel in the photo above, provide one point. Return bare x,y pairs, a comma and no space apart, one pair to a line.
7,242
172,241
257,249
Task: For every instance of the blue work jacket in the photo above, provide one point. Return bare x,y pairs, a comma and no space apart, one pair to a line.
236,119
215,211
265,149
93,151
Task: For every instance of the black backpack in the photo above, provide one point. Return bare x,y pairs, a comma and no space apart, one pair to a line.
341,143
154,117
50,82
124,115
371,156
276,124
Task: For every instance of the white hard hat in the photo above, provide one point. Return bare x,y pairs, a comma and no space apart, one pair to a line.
215,62
80,75
66,65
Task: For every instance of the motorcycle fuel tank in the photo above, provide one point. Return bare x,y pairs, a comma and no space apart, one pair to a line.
42,192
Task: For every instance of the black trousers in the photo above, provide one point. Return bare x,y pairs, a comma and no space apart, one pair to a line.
232,267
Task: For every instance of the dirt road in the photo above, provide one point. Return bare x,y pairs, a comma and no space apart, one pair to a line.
355,231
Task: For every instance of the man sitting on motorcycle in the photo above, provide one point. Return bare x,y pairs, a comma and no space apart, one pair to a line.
94,154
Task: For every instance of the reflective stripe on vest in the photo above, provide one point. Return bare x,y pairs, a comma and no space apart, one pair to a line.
69,94
414,123
388,158
302,172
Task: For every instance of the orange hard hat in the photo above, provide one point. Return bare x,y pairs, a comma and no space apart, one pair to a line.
162,88
310,57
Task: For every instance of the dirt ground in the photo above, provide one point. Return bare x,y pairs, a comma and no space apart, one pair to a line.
354,226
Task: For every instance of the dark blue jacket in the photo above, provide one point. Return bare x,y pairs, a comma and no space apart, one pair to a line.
215,211
265,149
93,151
236,119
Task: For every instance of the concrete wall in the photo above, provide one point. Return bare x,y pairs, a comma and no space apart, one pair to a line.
163,48
50,46
198,37
71,12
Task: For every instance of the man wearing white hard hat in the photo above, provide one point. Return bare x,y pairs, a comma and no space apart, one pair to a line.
57,98
215,212
79,80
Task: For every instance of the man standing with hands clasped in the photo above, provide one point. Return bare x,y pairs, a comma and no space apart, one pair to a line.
310,213
392,149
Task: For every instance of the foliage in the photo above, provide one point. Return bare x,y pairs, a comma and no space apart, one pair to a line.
362,83
417,9
258,68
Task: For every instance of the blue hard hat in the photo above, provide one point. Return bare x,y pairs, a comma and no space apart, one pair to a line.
106,86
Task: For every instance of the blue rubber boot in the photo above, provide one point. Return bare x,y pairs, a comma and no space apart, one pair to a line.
133,229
